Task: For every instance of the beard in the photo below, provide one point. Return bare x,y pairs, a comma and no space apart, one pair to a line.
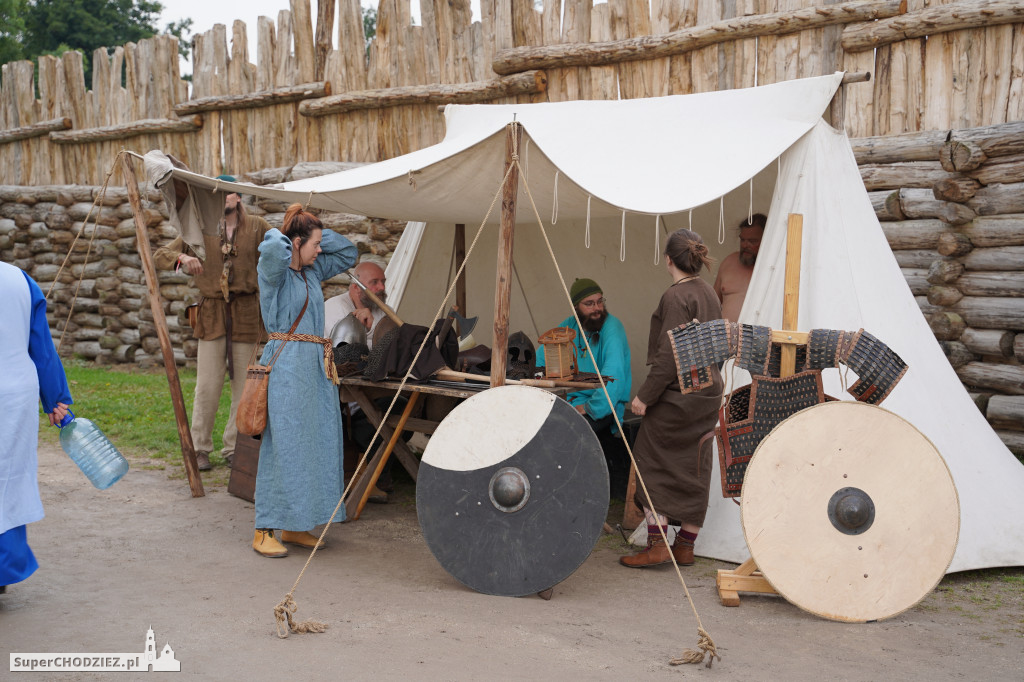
228,210
592,322
747,259
371,304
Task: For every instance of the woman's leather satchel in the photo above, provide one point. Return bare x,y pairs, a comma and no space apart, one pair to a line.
251,417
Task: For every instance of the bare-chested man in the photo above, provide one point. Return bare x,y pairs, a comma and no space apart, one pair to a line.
735,271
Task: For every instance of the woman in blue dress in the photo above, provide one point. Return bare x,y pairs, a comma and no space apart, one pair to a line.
31,372
301,476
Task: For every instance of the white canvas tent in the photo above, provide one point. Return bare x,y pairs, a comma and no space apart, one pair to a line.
611,179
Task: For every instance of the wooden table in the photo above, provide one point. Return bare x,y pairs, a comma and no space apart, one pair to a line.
363,392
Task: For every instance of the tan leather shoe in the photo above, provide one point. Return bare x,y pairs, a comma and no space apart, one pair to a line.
203,461
377,496
264,542
683,552
301,538
657,553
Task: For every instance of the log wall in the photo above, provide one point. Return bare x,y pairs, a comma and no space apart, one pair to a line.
98,309
963,67
954,217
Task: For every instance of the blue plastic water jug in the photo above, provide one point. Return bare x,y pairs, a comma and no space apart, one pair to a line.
92,451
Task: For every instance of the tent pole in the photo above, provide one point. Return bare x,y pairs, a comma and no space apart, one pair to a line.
188,453
460,258
503,278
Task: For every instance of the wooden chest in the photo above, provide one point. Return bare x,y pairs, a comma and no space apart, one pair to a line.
244,464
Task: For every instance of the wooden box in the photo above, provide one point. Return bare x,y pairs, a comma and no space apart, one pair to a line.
244,464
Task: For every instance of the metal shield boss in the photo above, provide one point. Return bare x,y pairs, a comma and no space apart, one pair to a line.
850,512
512,491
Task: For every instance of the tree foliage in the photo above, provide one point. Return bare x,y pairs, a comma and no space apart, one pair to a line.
87,24
12,30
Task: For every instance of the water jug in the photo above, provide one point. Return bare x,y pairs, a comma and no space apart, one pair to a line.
94,454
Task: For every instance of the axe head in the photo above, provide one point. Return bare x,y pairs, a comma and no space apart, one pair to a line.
466,327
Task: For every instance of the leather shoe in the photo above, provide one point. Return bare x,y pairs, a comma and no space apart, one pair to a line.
301,538
264,542
656,554
683,552
203,461
227,460
377,496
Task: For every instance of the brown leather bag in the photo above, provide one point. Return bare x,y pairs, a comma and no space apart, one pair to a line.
251,417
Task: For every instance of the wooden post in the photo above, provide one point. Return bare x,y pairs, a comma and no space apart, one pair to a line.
188,453
791,297
503,278
460,258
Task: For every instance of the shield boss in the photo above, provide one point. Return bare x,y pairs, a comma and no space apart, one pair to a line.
512,491
850,512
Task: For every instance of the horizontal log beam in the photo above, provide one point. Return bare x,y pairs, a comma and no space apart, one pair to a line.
526,83
34,130
931,21
998,377
149,126
517,59
1001,139
254,100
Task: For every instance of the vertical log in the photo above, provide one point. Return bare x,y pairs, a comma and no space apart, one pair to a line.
603,80
188,452
460,258
791,295
705,60
1015,98
995,94
745,72
503,276
324,33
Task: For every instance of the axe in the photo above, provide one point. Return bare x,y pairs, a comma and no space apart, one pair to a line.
466,327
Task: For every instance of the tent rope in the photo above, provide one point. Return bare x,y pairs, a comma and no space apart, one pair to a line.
100,198
705,645
287,606
554,202
721,220
657,241
586,234
622,240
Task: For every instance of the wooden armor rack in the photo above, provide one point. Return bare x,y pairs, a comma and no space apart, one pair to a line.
746,577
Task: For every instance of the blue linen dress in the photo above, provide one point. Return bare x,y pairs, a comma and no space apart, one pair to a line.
31,371
301,476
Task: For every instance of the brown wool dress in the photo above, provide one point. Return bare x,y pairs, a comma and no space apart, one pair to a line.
677,475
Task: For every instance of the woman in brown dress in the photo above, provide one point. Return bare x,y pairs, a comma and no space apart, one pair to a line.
673,460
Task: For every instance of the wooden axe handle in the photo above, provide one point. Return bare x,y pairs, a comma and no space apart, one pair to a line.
373,297
452,375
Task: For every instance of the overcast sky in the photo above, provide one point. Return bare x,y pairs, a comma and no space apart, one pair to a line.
206,13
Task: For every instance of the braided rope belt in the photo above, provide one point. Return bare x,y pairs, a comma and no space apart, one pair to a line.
329,368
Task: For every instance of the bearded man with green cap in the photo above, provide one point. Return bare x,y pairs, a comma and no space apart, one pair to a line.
607,338
227,324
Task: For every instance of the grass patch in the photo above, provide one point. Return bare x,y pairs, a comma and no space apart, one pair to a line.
133,408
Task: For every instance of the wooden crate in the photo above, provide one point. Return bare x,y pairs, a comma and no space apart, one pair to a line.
243,467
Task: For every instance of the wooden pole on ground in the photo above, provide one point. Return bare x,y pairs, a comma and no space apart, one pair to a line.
188,453
503,278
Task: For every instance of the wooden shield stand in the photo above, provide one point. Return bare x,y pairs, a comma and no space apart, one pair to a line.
746,577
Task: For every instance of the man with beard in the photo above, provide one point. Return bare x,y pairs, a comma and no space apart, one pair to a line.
607,338
357,304
228,324
735,271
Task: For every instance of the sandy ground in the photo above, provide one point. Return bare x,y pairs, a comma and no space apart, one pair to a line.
145,553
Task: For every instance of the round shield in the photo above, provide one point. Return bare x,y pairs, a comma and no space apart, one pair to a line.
512,491
850,512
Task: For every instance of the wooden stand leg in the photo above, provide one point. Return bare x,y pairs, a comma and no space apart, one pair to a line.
746,578
376,465
633,516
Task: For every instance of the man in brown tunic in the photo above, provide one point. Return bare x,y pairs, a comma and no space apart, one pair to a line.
228,324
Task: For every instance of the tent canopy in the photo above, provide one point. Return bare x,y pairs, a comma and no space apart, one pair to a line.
611,179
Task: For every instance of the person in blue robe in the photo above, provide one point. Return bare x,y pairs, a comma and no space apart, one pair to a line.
301,471
31,372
